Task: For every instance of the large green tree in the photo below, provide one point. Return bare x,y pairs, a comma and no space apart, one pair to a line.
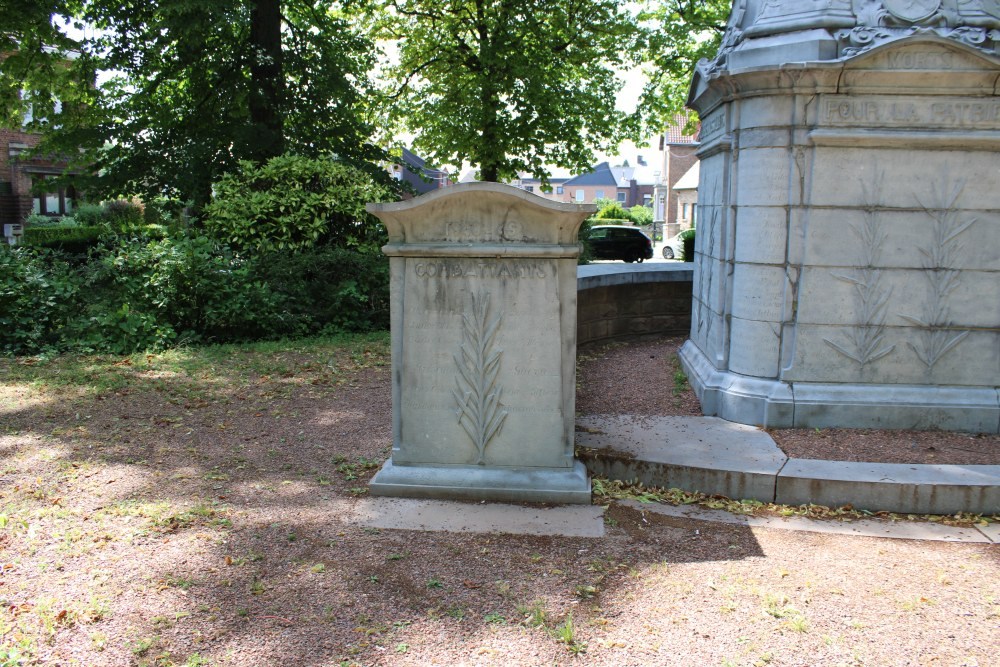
510,85
195,86
685,32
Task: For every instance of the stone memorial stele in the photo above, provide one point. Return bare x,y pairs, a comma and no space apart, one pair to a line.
848,249
483,316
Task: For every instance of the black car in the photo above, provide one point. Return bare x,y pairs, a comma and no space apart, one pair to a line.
617,242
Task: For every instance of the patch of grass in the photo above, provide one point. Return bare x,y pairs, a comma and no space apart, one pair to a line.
434,582
534,615
141,646
566,634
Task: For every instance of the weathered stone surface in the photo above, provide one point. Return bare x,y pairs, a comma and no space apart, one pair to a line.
850,231
483,310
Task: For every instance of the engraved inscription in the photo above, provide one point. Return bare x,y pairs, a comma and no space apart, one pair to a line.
712,125
921,60
878,111
494,269
484,231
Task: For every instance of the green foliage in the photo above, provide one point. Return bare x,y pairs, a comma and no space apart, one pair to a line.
71,239
686,33
612,211
123,215
641,215
293,203
328,289
687,236
586,250
37,297
510,86
89,215
135,293
194,88
37,220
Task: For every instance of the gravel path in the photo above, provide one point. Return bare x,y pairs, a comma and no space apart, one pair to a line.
641,379
193,519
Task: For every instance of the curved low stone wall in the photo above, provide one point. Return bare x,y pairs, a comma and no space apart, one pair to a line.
631,301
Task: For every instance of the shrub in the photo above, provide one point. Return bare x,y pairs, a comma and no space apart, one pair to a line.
89,215
613,211
38,296
687,249
75,240
586,250
292,203
328,289
123,215
641,215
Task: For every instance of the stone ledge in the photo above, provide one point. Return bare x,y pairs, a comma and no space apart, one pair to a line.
713,456
892,487
776,404
608,275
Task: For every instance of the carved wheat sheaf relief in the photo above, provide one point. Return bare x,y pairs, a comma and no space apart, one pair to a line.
866,340
477,395
937,334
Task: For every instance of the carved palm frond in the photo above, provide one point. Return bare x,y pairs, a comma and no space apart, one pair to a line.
937,336
477,395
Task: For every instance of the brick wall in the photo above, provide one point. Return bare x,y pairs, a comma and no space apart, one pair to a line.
632,311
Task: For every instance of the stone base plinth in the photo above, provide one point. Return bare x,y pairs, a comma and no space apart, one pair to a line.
776,404
536,485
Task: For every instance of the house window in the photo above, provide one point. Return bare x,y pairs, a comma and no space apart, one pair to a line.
621,197
55,200
684,211
529,188
600,194
560,189
647,201
579,196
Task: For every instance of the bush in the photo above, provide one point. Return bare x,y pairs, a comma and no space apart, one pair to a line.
641,215
687,249
76,240
293,203
613,211
123,215
38,296
586,250
132,294
328,289
89,215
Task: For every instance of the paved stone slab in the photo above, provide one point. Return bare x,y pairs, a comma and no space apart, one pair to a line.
992,532
706,454
457,517
915,530
914,489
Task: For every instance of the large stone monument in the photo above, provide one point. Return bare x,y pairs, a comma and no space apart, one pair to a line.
483,314
848,269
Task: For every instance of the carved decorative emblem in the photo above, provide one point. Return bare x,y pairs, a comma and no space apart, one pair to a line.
912,11
477,397
991,7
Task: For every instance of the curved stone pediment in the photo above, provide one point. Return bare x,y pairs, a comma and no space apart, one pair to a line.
772,32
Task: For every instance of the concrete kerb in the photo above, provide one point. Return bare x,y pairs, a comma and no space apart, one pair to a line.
579,521
714,456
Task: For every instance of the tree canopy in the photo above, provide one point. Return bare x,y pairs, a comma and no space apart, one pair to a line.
193,87
510,85
685,32
198,85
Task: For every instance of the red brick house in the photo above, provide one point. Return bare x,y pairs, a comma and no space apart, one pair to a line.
19,174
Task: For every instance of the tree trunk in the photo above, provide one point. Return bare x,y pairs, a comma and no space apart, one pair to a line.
267,81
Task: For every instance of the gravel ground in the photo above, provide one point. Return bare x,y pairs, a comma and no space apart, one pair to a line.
192,518
614,380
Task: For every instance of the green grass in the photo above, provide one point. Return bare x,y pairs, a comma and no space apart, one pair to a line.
198,370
